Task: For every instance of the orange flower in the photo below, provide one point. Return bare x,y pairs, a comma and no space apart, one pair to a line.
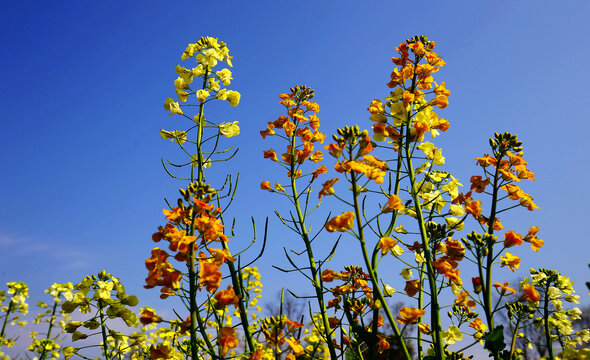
270,154
257,355
513,262
210,276
376,107
386,244
341,223
265,185
220,256
160,352
382,345
478,184
330,275
464,301
289,127
441,90
502,289
530,294
227,339
527,201
226,297
473,207
393,203
532,238
148,316
443,265
511,238
327,188
478,325
424,329
514,192
454,276
454,250
295,345
486,161
335,149
409,315
412,287
321,170
176,215
334,322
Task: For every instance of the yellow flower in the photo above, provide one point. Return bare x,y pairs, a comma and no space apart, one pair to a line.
233,97
172,106
104,289
513,262
224,76
229,129
386,244
202,95
452,335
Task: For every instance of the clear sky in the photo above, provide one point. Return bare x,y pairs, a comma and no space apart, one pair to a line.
82,86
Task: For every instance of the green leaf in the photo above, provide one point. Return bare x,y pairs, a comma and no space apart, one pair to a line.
494,341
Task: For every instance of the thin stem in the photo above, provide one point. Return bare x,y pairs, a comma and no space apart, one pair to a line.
372,273
103,330
513,344
546,320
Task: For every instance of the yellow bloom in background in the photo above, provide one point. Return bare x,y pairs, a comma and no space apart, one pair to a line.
229,129
452,335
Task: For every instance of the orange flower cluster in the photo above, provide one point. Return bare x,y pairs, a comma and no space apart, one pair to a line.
447,264
210,274
354,279
369,166
512,170
419,74
161,273
277,329
301,122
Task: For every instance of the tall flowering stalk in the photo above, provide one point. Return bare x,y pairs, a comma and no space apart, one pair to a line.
300,130
195,231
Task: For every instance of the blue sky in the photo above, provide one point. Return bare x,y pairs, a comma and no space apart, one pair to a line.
83,84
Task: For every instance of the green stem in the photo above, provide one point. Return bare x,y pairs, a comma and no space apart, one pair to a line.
243,314
513,344
420,305
490,257
434,305
10,308
372,273
51,321
315,276
546,319
103,329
